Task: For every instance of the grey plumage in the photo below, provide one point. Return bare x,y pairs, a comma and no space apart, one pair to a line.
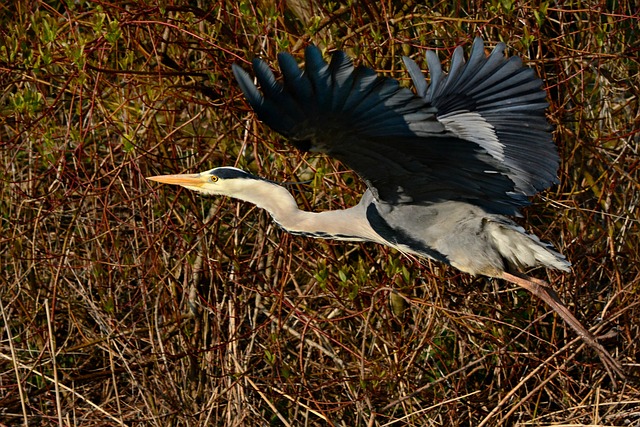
474,141
443,167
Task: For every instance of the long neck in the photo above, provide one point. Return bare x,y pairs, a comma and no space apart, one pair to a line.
347,224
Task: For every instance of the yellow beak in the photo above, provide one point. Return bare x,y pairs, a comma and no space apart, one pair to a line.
187,179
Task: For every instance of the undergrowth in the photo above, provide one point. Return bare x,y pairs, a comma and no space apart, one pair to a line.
128,303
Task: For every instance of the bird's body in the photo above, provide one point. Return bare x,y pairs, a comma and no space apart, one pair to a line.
443,167
490,245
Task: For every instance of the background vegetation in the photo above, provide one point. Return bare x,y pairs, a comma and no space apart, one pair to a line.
128,303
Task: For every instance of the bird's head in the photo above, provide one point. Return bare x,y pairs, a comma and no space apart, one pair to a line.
224,181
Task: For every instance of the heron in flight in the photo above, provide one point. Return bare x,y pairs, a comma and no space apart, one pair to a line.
444,167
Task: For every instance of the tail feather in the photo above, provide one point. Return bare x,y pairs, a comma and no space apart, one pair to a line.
524,250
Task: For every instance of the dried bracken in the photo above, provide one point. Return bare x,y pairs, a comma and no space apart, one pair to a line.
122,305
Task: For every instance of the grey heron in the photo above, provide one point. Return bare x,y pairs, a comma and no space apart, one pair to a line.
444,166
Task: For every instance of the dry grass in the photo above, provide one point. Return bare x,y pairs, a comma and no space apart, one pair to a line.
125,303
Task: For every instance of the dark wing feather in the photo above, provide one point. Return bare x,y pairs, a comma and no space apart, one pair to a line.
510,101
446,144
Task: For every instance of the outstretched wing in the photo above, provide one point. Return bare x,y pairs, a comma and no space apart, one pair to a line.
442,145
498,104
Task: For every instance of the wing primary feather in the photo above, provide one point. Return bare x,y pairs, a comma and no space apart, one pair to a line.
294,79
435,72
476,59
457,68
279,116
416,76
250,91
319,76
264,75
341,68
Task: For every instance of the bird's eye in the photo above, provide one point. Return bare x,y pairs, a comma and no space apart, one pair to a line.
213,178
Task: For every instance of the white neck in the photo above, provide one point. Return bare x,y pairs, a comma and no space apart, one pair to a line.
347,224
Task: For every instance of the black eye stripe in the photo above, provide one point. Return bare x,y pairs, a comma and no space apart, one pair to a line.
229,173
